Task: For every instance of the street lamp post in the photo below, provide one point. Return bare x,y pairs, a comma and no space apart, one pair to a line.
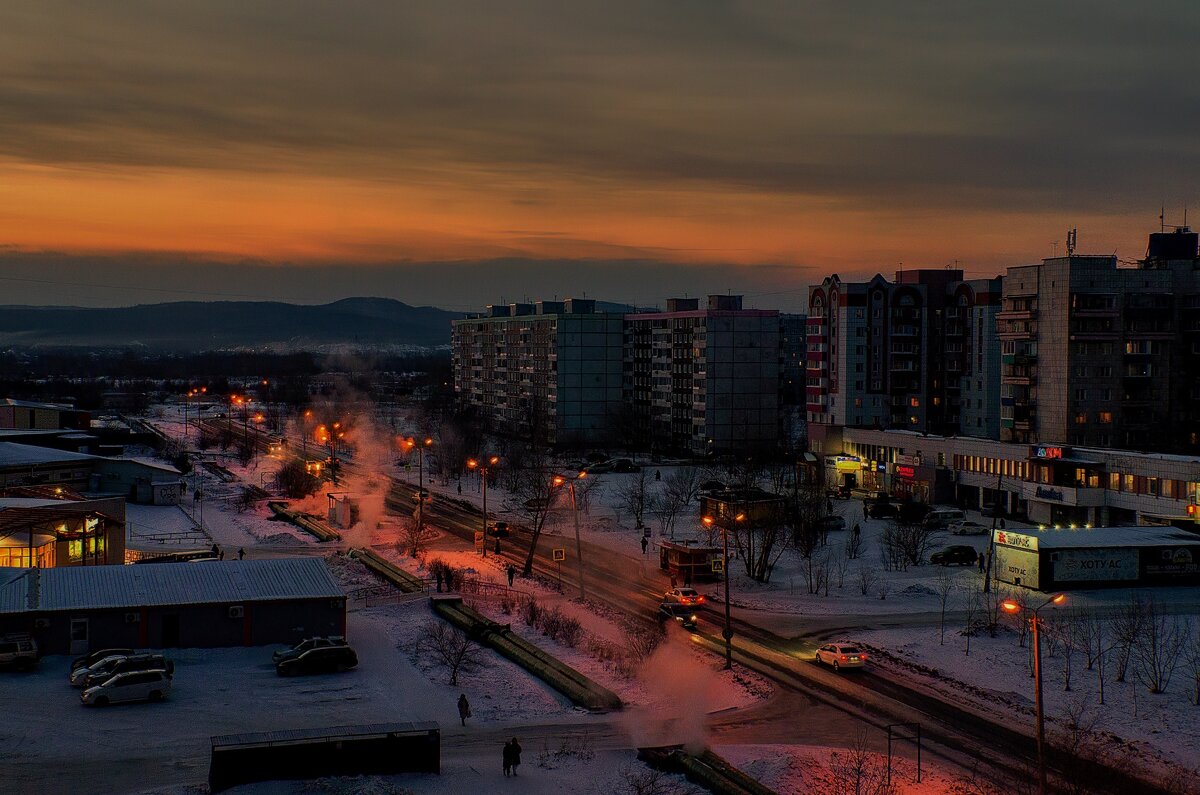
483,473
558,481
409,444
727,633
1011,606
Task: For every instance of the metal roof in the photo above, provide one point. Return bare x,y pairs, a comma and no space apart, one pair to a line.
14,590
288,736
13,454
226,582
1085,538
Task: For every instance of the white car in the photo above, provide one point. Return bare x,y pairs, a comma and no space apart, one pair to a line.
133,686
684,596
80,675
841,655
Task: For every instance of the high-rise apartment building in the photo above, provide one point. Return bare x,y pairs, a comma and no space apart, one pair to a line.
703,380
550,370
1101,355
919,353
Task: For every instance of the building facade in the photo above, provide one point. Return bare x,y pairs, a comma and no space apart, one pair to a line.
550,371
919,353
703,380
1100,355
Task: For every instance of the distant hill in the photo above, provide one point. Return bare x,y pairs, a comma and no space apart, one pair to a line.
198,325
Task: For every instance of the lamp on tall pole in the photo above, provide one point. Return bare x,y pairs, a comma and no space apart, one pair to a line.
570,482
727,633
1012,606
483,473
409,444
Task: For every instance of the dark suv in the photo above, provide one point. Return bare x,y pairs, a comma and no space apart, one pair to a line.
305,645
325,659
961,555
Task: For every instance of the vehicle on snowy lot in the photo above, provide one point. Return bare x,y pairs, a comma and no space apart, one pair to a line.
841,655
830,524
882,510
305,645
683,596
18,651
943,517
89,660
111,667
969,529
838,493
325,659
960,554
673,611
133,686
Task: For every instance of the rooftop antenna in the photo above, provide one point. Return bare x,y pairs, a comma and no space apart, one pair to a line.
1162,218
1072,240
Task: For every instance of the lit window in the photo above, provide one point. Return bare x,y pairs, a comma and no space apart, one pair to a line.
1106,417
1081,418
914,402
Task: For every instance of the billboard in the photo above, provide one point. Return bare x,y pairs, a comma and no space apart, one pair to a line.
1173,562
1017,566
1094,565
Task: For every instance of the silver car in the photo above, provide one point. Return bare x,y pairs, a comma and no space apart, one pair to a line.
133,686
80,675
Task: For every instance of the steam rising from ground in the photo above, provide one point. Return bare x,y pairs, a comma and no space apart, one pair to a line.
686,688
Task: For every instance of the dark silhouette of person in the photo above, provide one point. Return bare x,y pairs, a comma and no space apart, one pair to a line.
514,755
464,709
657,474
216,549
645,543
437,575
512,573
241,553
507,758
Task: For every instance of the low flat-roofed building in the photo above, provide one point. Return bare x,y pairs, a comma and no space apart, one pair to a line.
226,603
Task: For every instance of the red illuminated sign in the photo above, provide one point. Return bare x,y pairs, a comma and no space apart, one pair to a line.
906,472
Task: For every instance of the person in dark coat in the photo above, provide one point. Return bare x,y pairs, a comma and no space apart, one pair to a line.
507,758
645,543
216,549
221,555
437,576
241,553
514,750
464,709
981,557
865,510
512,573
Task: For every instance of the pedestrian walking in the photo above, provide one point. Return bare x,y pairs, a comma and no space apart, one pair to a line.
981,564
658,474
514,758
645,543
865,510
221,555
241,552
464,709
437,575
512,573
460,487
828,505
507,758
856,529
216,549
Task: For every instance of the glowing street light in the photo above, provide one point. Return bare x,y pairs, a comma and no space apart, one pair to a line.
727,633
559,480
1013,606
483,471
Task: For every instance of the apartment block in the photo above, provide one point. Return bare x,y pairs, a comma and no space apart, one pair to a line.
918,353
550,370
704,380
1102,355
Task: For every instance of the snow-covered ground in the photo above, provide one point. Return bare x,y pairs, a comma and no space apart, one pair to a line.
812,768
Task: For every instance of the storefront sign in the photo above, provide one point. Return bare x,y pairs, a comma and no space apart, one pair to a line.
1019,540
906,472
1077,565
1045,493
1046,452
909,460
1180,562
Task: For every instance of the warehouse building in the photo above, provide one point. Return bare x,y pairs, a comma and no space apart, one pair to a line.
233,603
1056,560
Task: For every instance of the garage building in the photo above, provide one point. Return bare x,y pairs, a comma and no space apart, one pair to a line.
1062,559
226,603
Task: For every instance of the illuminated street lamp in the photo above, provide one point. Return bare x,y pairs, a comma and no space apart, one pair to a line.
727,633
1012,606
570,482
408,445
483,471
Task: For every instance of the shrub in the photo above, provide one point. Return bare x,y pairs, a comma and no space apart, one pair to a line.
531,613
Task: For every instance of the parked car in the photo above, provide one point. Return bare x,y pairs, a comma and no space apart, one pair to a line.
992,509
672,611
943,517
325,659
882,510
305,645
684,596
18,651
89,660
624,465
829,524
838,492
966,528
600,468
80,675
133,686
123,665
841,655
959,554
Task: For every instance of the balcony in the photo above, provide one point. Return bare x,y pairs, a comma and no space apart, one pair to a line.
1017,314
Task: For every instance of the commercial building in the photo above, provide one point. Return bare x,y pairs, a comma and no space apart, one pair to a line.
139,480
230,603
1062,559
27,415
53,527
919,353
703,380
550,370
1043,484
1100,355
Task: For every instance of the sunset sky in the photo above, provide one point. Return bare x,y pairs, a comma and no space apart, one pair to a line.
459,153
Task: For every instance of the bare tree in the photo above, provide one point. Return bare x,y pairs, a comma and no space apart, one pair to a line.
857,771
854,543
839,564
531,498
908,543
1069,638
760,545
411,537
971,598
1157,653
449,647
945,585
634,494
643,641
1192,657
1127,628
1077,736
679,490
868,578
